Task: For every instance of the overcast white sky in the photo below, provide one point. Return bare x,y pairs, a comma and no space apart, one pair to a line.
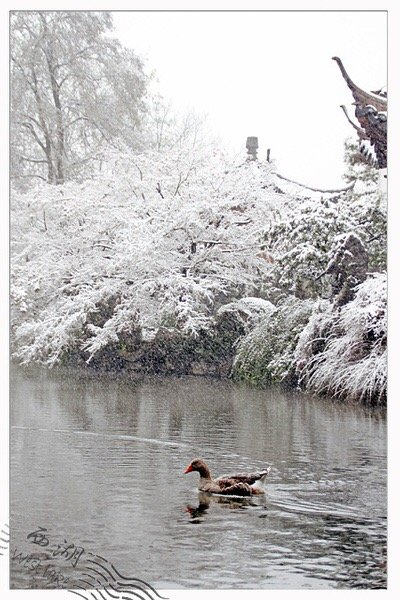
267,74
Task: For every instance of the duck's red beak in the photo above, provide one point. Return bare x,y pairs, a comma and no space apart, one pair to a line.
188,470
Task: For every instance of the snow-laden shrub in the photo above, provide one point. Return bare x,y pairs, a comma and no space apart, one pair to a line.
160,240
265,354
248,311
343,351
301,237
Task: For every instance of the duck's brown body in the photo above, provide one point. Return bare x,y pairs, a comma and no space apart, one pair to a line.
241,484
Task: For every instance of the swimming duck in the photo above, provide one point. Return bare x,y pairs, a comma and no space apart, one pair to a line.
242,484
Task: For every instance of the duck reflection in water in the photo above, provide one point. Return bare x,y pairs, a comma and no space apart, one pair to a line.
206,500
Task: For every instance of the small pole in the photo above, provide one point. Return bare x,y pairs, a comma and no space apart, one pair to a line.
252,146
268,153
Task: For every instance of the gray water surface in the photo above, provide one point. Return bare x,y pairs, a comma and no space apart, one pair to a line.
98,464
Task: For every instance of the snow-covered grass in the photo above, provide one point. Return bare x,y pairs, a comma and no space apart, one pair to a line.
343,351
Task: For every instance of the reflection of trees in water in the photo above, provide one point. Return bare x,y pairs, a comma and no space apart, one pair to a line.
270,425
324,455
311,435
66,399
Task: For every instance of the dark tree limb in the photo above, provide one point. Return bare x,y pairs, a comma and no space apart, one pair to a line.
331,191
360,131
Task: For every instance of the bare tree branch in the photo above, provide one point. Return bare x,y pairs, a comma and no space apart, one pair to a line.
329,191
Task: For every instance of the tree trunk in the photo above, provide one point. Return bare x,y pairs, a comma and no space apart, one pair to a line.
59,144
46,146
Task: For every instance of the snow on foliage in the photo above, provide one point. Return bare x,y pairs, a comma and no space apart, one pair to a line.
343,351
159,240
265,354
248,310
301,239
165,248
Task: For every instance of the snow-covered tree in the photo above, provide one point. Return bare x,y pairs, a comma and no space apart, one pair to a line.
325,249
358,168
342,349
305,233
176,258
158,241
74,90
167,128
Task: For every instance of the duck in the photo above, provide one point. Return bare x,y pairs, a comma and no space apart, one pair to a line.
241,484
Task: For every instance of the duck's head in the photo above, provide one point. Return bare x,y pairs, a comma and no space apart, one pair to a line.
200,466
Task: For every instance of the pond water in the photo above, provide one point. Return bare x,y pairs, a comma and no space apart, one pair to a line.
97,470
